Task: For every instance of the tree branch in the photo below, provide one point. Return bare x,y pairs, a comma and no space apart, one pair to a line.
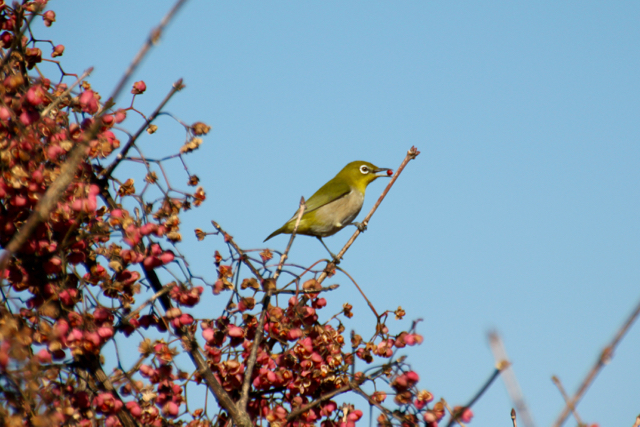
253,355
566,399
605,356
153,38
502,365
243,257
301,410
509,379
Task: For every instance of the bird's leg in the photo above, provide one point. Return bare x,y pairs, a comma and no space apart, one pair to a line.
336,260
360,226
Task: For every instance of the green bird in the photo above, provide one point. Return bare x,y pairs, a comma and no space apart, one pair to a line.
336,204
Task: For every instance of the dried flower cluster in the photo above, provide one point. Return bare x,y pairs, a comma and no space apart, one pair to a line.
85,277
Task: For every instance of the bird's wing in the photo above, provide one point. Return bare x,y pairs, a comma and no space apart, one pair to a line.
324,196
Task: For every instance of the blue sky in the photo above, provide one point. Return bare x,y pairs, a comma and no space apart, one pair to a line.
521,214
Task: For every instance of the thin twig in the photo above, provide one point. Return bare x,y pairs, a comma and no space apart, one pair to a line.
243,256
513,417
509,379
566,398
285,255
411,154
499,368
155,296
306,291
605,356
446,405
154,37
253,355
375,313
384,410
106,173
301,410
59,99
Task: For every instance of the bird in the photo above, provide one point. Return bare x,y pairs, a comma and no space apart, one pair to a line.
336,204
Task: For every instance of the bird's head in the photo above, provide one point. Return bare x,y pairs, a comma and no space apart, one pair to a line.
361,173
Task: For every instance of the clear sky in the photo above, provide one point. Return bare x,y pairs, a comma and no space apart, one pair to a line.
521,214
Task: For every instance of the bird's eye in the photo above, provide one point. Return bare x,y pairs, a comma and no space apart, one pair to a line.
364,169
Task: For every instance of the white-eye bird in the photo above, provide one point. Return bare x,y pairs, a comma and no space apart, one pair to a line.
336,204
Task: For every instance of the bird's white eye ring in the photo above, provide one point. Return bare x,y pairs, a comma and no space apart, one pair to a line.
364,169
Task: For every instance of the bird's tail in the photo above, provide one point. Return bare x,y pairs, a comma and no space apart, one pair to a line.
275,233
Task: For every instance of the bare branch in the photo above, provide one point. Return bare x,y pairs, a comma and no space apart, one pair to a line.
285,255
301,410
253,355
566,398
499,368
243,256
164,290
605,356
307,291
361,293
509,378
153,39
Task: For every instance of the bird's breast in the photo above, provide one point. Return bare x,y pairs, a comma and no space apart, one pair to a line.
334,216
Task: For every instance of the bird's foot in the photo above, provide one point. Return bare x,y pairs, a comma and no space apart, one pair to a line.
360,226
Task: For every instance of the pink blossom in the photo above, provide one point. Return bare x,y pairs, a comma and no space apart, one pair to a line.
294,334
235,331
170,409
120,116
89,101
5,114
49,17
105,332
29,116
166,257
57,51
466,415
44,356
106,403
134,409
208,334
138,88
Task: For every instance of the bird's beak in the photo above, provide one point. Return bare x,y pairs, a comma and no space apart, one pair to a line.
383,172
